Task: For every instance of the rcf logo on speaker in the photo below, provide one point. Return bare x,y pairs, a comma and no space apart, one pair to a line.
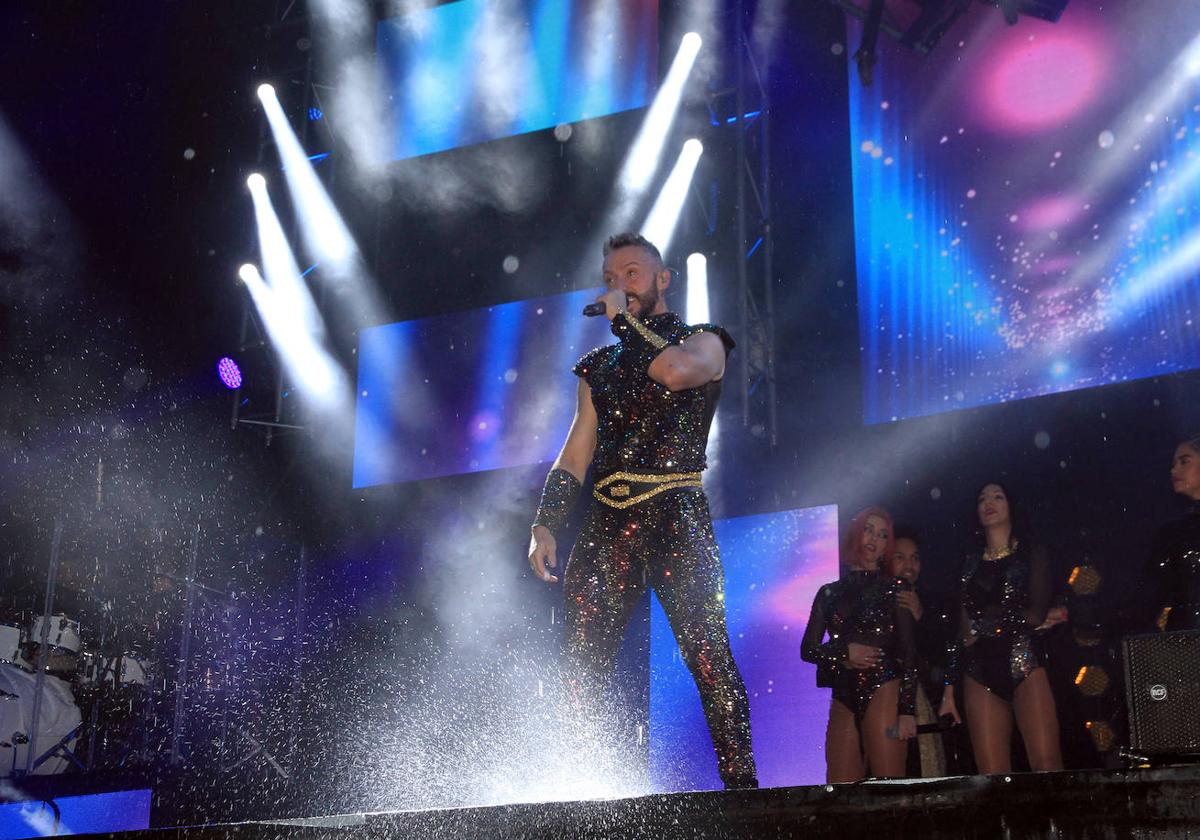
1158,692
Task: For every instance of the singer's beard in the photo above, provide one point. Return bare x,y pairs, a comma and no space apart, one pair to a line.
647,302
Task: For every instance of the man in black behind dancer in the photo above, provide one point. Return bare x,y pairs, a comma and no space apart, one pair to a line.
644,410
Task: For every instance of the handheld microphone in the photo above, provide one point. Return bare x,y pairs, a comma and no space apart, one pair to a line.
593,309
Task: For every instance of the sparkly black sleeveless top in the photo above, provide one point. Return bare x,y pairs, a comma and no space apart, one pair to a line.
642,425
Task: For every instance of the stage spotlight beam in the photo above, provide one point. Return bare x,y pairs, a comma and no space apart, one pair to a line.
643,158
289,313
660,224
279,263
317,376
325,234
697,290
696,311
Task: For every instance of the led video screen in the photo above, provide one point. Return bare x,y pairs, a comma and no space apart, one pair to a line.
471,391
774,565
1025,204
476,70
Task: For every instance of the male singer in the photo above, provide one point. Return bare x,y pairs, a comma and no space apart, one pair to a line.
645,406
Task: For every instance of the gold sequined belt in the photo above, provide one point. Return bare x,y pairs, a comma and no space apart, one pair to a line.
624,489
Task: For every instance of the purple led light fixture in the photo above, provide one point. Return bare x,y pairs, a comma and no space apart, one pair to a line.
230,373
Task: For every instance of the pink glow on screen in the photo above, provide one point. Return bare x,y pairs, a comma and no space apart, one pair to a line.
1052,212
790,600
1038,82
1056,265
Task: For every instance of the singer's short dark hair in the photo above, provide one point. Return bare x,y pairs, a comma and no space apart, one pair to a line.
628,238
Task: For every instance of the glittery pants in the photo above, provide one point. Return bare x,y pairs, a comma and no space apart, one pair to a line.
666,543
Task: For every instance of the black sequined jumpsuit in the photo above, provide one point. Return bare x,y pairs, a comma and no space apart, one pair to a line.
862,608
656,533
1172,579
1003,602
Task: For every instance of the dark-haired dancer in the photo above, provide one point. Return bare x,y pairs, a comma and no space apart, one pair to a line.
1169,594
1006,593
644,410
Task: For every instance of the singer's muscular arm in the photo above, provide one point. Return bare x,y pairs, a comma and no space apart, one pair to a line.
698,361
575,457
580,445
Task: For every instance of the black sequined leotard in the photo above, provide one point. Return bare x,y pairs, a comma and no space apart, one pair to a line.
1003,602
1172,579
650,526
862,608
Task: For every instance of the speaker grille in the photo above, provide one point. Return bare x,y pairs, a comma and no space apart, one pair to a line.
1162,684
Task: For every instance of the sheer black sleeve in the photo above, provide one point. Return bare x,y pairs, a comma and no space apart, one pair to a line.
831,653
906,637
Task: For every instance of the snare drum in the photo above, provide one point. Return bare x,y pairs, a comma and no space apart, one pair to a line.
63,632
128,669
132,669
93,669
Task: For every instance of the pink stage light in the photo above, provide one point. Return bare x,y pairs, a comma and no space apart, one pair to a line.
1034,84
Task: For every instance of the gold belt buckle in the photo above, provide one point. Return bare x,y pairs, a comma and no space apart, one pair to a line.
620,486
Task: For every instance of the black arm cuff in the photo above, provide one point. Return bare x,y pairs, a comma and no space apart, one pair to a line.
558,498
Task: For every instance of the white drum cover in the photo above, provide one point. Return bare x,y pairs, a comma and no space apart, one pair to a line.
10,643
64,633
56,718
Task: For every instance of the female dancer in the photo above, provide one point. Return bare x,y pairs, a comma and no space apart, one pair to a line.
1005,598
1171,584
869,660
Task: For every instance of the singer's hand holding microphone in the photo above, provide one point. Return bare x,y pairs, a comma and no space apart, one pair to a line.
610,304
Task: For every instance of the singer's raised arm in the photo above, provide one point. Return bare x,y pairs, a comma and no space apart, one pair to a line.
697,361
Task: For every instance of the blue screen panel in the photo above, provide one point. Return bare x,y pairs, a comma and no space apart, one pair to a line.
1025,202
774,565
476,70
472,391
97,813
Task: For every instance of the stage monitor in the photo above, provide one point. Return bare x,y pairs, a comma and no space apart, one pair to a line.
470,391
774,565
1025,207
471,71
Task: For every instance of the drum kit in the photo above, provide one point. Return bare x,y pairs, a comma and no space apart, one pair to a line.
108,675
67,701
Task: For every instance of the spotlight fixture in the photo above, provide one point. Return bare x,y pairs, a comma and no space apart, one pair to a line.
256,181
1092,680
1102,734
1084,580
266,92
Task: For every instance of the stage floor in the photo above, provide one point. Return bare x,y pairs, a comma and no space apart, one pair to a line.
1161,802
